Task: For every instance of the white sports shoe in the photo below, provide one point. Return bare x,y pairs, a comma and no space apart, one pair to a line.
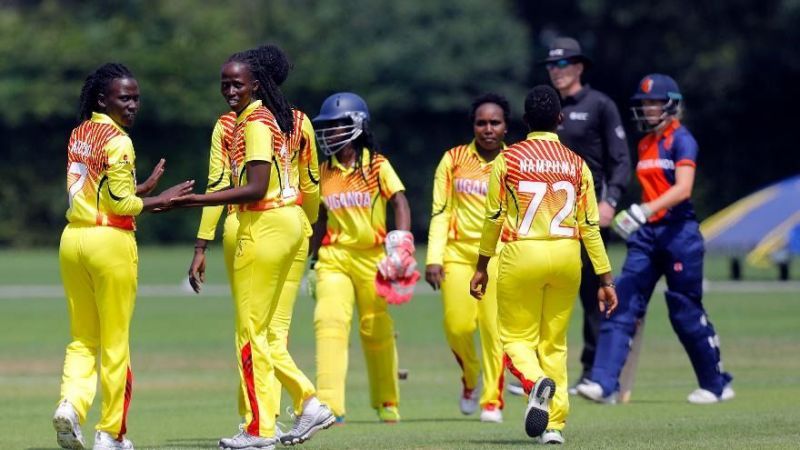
244,440
68,427
104,441
551,437
704,397
515,388
468,402
492,414
315,416
593,391
537,414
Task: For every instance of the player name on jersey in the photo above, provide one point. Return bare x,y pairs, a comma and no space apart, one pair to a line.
470,186
547,166
348,200
660,163
80,148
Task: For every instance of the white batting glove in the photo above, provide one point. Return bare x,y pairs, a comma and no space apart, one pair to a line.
626,222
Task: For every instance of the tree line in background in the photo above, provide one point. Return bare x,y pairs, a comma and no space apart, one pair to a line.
417,63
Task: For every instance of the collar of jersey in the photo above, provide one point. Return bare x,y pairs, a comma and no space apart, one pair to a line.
473,149
669,129
98,117
364,161
247,111
543,136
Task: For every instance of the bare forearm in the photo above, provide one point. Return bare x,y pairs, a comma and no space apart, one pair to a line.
673,196
402,212
320,228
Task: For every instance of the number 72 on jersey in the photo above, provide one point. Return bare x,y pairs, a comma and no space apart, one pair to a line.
538,191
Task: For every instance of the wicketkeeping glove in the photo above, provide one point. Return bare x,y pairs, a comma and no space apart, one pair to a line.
399,261
626,222
397,272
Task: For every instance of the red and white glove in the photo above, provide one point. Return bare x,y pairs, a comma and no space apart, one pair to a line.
396,292
399,261
397,271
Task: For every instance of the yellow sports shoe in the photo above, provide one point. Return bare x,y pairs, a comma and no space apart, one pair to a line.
388,413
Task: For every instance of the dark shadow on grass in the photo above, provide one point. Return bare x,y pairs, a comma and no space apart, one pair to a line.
196,442
514,442
438,419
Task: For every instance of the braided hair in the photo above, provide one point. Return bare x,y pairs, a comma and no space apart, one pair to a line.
365,140
97,83
270,66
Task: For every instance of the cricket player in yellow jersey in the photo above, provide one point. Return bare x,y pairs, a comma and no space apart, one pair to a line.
356,183
303,142
98,257
272,228
545,193
459,195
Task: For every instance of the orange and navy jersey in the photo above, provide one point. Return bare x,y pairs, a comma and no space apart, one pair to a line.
459,195
101,178
542,190
355,200
659,154
257,137
219,173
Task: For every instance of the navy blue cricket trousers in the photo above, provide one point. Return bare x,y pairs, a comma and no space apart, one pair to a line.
675,250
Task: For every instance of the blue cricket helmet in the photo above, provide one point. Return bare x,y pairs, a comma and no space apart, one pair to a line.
345,106
656,86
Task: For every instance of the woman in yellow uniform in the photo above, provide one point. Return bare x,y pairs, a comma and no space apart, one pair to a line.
356,183
270,231
98,257
546,194
310,416
459,194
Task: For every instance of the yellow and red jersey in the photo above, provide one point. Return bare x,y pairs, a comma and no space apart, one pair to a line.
303,167
305,173
356,200
660,153
459,195
219,173
101,178
542,190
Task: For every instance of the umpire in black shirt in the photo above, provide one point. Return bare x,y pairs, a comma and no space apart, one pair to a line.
592,129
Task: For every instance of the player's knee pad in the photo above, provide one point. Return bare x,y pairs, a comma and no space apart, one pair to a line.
688,317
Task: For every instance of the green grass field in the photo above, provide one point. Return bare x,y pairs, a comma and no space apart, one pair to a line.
186,377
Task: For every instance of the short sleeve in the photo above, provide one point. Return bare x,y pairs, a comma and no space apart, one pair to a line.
258,142
685,150
389,181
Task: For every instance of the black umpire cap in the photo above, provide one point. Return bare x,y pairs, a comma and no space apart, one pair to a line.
566,48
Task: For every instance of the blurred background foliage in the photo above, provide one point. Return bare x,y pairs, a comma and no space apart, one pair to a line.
418,63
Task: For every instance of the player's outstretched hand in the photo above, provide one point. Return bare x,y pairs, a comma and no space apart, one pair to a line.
152,181
434,275
197,270
162,202
477,286
607,300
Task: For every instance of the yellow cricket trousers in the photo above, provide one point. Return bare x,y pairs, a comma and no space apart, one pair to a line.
463,315
344,277
537,283
99,271
290,376
267,242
